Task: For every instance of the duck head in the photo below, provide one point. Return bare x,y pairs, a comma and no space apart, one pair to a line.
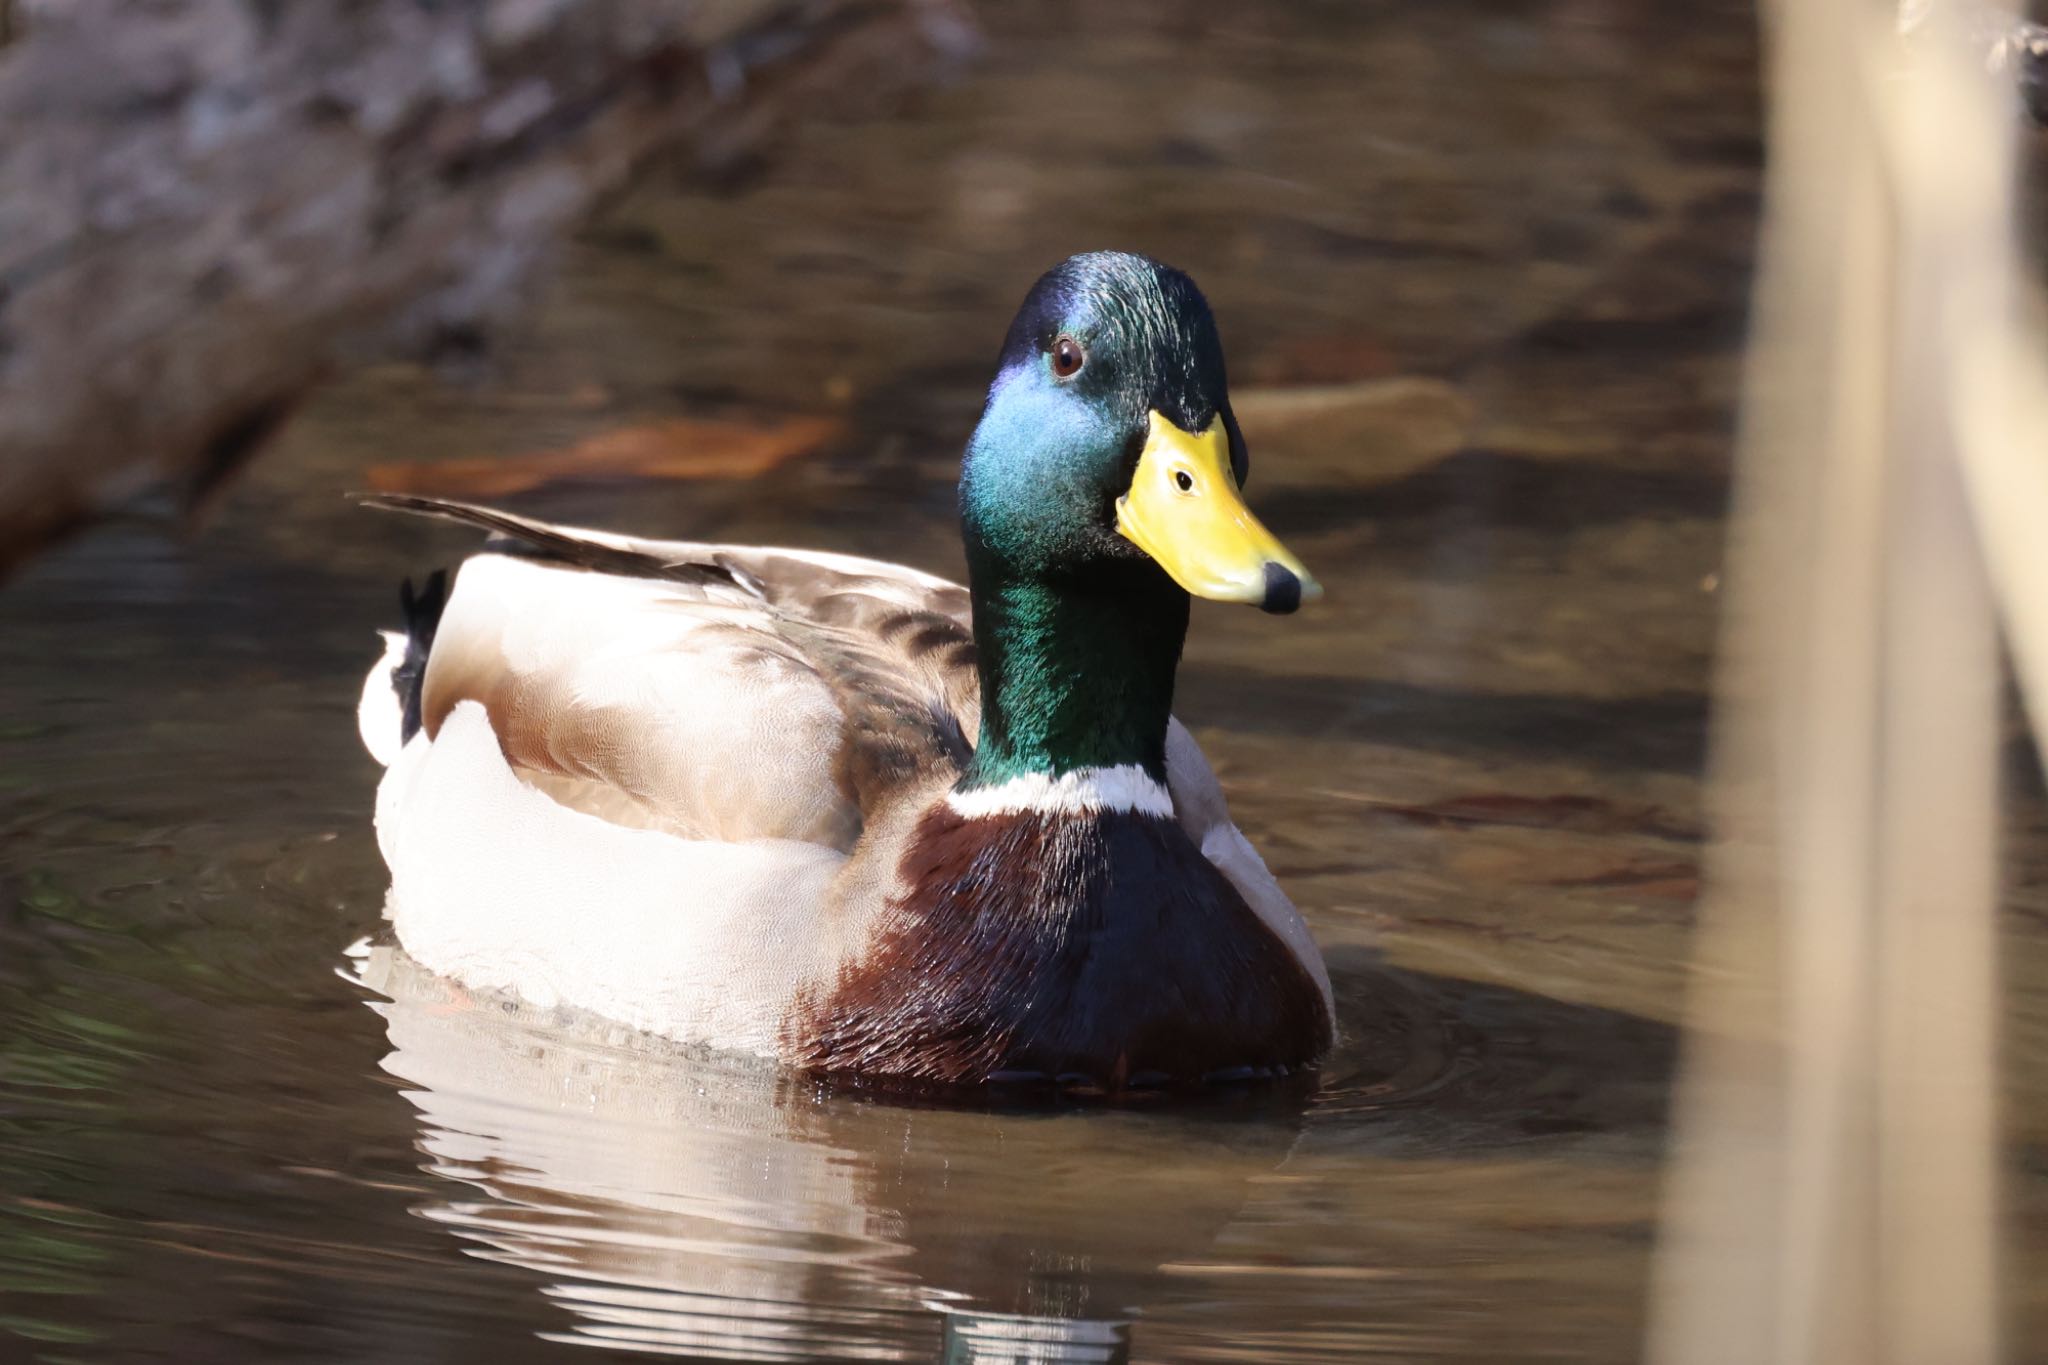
1100,489
1108,443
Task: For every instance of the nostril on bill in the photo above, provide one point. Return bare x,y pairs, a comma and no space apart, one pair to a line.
1283,590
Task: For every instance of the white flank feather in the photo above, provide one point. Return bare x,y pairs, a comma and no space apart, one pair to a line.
497,886
379,718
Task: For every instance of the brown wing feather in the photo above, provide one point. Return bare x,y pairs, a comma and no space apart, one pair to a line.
891,647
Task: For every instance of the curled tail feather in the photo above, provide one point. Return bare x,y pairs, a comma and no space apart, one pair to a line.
389,714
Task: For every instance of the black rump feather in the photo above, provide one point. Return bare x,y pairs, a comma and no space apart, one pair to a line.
422,618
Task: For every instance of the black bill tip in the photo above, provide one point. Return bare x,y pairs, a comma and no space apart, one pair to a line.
1283,590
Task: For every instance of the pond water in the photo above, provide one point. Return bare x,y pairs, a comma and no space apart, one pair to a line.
1481,270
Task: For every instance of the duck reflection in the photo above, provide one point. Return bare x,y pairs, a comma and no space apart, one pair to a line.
688,1205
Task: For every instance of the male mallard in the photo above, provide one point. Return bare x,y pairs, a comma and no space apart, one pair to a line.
847,814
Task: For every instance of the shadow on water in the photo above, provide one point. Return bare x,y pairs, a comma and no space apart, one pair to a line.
683,1203
1431,1063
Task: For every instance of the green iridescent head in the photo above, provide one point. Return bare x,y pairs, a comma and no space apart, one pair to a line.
1108,442
1099,490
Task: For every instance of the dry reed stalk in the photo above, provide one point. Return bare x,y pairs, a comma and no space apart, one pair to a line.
1833,1196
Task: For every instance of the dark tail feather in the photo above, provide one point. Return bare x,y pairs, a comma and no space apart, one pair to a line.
422,619
511,533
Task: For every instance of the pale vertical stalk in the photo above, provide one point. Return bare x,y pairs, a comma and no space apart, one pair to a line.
1765,1187
1949,134
1958,140
1758,1187
1936,1139
1832,1196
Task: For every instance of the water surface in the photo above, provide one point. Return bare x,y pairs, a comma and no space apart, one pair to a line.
1481,270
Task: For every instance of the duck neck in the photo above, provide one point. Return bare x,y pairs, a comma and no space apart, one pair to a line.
1074,673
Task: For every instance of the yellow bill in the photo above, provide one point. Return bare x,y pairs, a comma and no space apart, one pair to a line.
1184,510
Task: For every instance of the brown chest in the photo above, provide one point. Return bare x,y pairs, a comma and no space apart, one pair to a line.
1092,944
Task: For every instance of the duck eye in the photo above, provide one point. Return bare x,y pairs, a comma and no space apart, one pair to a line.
1067,357
1183,481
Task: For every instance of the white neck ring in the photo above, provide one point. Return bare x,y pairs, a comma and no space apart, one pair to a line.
1126,787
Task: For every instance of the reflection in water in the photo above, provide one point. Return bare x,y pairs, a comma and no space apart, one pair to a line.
991,1339
713,1208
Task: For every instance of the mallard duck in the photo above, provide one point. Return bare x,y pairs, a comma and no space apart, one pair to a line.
855,817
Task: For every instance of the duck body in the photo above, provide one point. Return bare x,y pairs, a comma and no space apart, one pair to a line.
849,815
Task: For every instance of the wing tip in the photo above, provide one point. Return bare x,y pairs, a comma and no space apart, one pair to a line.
419,504
562,544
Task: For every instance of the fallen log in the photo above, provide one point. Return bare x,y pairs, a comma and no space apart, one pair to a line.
206,205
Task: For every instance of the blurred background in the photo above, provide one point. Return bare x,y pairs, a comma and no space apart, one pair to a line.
1483,270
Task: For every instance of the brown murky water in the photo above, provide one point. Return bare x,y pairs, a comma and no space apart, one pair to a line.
1481,270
